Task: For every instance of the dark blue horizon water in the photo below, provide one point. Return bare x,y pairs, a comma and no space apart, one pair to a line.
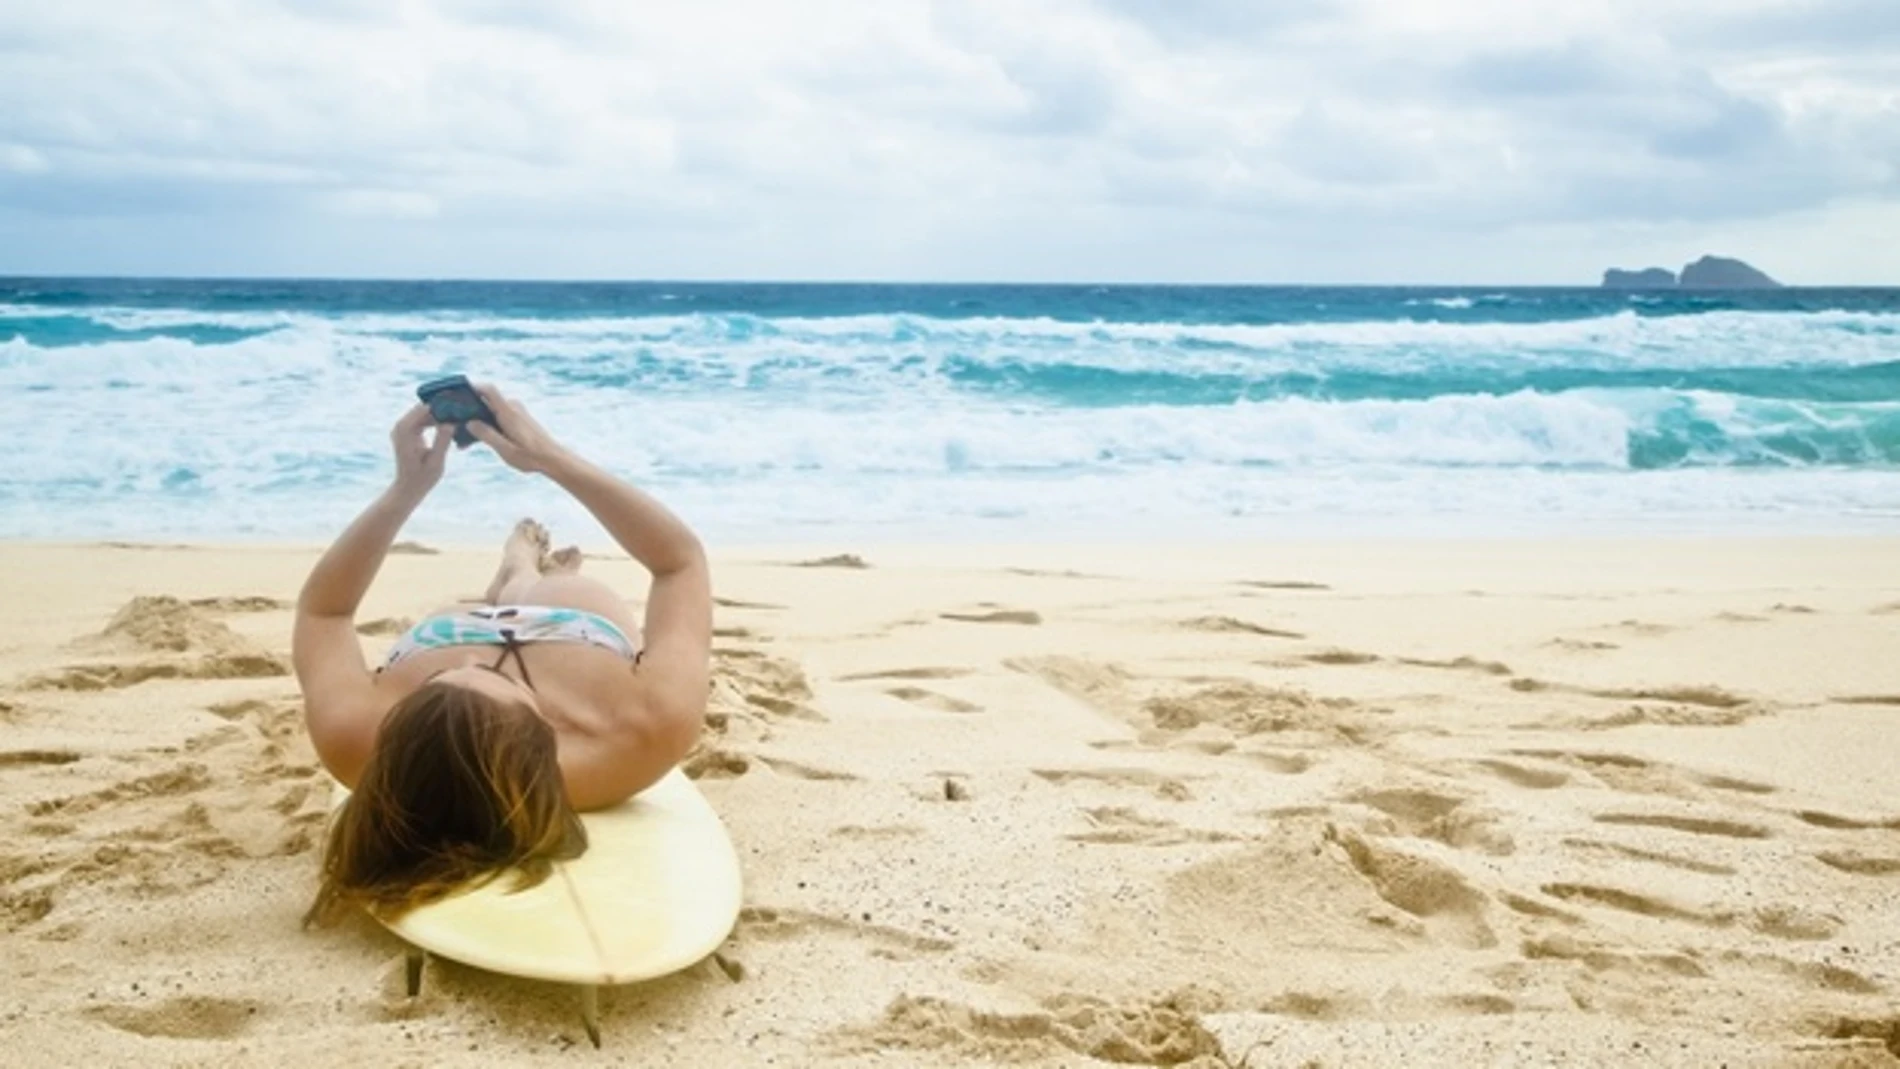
1066,302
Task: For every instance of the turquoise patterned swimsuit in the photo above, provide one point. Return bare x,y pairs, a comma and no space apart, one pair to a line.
508,625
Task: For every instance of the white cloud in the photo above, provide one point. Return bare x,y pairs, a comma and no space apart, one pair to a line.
22,159
381,204
1319,140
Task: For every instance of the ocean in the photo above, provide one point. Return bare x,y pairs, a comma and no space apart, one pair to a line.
800,413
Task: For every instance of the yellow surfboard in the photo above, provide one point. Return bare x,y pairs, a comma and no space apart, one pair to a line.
657,890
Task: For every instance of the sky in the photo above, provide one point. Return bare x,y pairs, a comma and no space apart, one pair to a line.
1269,141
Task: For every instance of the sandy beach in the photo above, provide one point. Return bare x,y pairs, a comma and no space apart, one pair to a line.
1434,803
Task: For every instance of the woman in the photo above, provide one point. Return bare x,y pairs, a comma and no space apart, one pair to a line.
471,749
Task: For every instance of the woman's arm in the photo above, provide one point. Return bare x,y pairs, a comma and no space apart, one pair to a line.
654,536
324,649
677,636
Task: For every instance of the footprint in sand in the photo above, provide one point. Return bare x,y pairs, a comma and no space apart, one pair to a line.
1233,626
1522,775
1283,762
1860,864
1166,1032
237,710
1151,836
1123,826
92,677
1250,709
24,907
1460,664
250,603
182,779
1435,893
1867,1032
1823,976
930,699
1713,697
1713,706
877,832
908,673
1604,957
190,1017
1794,923
1632,902
17,758
1340,1006
1340,657
1532,907
781,706
1115,777
279,720
840,560
1635,775
1580,645
800,770
1692,825
1837,822
1730,783
1665,716
1444,818
713,763
1675,861
770,922
995,616
734,603
749,681
1046,573
1319,1006
1780,922
1104,687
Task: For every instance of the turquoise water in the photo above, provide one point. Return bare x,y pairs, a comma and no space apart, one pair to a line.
247,409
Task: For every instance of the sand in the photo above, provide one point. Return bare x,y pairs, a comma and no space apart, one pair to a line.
1445,803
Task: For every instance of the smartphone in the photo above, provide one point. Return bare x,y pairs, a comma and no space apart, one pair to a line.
452,400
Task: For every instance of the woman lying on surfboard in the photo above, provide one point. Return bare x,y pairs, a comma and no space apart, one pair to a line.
471,748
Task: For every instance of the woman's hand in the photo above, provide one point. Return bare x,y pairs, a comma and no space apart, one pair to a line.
419,463
517,439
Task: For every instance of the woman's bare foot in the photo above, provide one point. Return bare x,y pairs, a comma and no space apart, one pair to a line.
564,561
520,559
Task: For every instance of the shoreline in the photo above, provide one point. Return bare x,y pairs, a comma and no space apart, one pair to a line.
758,548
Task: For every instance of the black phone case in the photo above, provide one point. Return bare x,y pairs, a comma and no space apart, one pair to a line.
451,399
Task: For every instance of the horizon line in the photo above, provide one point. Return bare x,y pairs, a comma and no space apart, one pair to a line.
943,283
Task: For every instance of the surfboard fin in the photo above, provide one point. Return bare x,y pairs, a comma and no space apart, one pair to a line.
412,970
590,1012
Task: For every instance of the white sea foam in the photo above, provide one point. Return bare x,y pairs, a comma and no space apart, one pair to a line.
1622,340
913,425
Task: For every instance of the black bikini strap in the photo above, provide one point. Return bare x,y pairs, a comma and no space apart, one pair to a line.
512,645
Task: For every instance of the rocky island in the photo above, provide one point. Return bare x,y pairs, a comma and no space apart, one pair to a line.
1708,273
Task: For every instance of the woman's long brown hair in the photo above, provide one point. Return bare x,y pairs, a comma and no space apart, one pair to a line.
459,788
